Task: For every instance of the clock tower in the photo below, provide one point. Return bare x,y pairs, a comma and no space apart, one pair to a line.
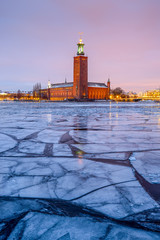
80,73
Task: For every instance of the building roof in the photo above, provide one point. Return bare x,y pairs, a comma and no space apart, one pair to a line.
60,85
70,84
97,85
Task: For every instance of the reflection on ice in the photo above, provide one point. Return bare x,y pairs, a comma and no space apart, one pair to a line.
49,117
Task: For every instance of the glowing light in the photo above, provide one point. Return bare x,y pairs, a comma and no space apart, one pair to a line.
80,156
80,47
49,118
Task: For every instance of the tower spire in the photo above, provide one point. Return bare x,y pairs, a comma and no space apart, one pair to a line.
80,46
49,84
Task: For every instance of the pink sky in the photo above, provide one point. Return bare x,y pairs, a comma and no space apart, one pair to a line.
38,41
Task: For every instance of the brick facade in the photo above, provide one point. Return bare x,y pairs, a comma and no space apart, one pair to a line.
80,88
80,77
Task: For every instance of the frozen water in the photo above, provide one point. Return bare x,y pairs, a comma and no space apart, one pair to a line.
6,143
148,165
79,170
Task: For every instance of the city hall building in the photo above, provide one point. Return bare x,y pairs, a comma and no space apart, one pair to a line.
80,88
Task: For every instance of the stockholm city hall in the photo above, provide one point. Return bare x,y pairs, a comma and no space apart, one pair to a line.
80,89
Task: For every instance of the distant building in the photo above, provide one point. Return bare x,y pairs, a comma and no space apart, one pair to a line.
80,88
150,95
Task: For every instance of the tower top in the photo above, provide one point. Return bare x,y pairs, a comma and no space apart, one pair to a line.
80,41
80,37
49,84
80,45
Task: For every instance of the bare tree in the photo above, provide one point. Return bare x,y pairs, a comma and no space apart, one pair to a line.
118,91
19,94
37,90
